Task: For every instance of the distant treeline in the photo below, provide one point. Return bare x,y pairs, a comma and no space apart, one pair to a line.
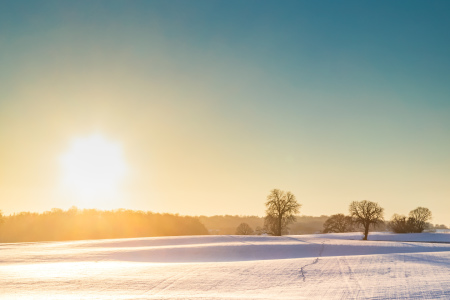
227,224
80,224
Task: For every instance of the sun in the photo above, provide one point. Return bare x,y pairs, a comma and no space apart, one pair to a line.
93,168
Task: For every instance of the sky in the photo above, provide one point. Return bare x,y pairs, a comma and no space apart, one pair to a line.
212,104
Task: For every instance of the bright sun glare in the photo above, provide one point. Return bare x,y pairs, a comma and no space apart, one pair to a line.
93,167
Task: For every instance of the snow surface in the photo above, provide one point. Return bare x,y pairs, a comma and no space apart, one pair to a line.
321,266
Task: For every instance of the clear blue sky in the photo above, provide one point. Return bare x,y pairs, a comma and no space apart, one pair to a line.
221,101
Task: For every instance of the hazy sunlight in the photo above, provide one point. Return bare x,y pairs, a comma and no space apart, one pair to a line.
93,167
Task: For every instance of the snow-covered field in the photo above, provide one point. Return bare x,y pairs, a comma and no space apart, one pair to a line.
323,266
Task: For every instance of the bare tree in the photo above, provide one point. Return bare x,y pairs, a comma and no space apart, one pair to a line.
366,213
419,218
416,222
281,208
244,229
338,223
400,224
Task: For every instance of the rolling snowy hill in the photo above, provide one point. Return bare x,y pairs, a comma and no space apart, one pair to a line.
323,266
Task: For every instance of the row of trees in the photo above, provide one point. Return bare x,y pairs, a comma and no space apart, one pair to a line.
364,214
415,222
281,208
79,224
227,224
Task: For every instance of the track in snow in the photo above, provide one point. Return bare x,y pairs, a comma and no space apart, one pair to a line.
302,268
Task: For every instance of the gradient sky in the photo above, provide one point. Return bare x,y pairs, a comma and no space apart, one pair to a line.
215,103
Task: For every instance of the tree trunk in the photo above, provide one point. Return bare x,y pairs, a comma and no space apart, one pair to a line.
279,225
366,231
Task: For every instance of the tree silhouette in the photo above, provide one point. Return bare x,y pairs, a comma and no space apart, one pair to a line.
419,218
366,213
416,222
338,223
400,224
281,208
82,224
244,229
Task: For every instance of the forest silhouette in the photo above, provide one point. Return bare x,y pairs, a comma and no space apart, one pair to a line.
80,224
